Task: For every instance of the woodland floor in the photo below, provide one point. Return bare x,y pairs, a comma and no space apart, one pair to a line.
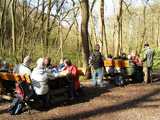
131,102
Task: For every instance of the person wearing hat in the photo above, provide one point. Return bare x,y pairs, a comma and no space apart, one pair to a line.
134,58
24,68
147,63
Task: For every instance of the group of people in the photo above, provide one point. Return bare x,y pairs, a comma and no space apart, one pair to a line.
43,72
146,62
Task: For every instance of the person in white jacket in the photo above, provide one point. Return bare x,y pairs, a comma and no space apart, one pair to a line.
40,76
39,79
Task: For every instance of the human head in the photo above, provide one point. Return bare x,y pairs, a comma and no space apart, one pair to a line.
146,45
61,61
123,55
27,60
6,64
67,62
47,60
97,47
40,62
109,56
133,55
129,57
118,57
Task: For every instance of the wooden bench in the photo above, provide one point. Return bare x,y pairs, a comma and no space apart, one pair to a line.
19,77
115,63
12,77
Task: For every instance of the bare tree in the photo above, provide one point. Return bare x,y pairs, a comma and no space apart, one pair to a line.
84,34
93,25
13,11
102,29
144,26
2,30
119,30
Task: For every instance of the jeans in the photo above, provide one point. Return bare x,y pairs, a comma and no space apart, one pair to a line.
98,72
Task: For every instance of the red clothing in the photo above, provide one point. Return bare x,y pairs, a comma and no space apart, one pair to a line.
73,69
135,59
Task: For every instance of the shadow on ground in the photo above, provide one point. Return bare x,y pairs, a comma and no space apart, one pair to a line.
123,106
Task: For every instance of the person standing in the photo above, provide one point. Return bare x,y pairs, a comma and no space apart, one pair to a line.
147,63
97,65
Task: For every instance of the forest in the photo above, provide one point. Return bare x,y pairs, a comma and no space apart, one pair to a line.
71,28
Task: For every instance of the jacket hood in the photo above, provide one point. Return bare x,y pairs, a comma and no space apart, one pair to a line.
40,69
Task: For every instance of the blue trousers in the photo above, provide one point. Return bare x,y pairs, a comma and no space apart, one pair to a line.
98,72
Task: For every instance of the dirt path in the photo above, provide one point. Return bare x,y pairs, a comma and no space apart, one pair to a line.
131,102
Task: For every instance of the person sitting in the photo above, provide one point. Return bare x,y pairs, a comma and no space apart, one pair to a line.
124,56
8,85
74,71
24,68
5,67
108,69
39,78
132,69
117,58
134,58
117,70
48,63
60,67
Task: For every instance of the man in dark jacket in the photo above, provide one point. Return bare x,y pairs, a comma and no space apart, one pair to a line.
8,85
98,64
147,63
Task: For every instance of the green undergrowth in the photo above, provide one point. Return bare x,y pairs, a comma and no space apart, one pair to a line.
156,63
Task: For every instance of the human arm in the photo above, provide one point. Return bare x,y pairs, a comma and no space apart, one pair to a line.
144,56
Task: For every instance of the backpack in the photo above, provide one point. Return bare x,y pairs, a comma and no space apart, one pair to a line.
91,59
24,93
16,107
119,80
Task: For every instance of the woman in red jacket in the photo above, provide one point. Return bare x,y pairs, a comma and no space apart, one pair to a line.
73,69
134,58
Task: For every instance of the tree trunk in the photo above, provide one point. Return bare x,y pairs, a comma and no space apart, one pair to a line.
77,33
93,26
24,23
61,39
157,41
144,28
42,24
102,30
84,35
130,35
47,26
13,6
2,28
119,29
